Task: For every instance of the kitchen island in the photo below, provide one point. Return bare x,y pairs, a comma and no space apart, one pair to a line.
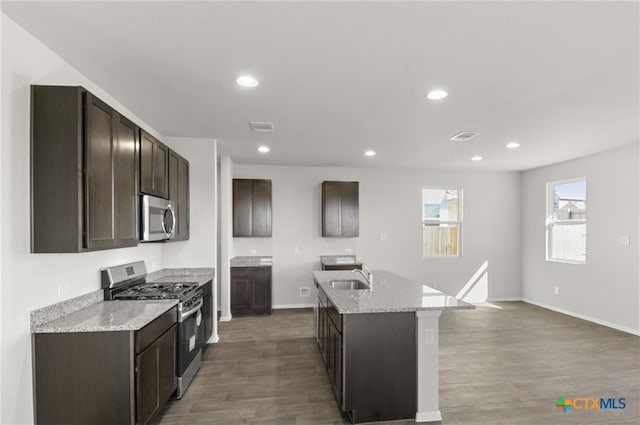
380,344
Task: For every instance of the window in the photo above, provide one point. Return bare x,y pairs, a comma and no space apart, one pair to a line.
567,221
441,222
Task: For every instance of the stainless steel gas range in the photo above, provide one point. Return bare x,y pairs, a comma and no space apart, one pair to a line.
128,282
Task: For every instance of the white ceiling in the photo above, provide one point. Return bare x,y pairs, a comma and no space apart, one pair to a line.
339,78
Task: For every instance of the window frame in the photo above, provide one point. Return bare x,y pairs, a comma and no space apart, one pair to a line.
550,221
459,222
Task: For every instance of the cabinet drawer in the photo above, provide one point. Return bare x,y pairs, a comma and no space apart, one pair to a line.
153,330
335,317
264,271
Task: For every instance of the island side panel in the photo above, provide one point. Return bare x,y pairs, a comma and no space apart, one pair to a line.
428,366
380,366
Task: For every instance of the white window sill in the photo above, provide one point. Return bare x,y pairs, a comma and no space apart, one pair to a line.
561,260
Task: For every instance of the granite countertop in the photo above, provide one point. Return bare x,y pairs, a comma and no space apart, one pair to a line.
254,261
108,316
390,293
199,275
338,260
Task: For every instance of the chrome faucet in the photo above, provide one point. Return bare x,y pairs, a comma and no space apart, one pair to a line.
368,275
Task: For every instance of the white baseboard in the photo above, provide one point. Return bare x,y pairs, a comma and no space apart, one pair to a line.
584,317
428,416
503,299
214,339
284,306
225,318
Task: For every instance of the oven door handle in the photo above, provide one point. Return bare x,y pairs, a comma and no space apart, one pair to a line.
185,316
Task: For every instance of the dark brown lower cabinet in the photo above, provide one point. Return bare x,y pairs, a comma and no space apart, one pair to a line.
334,360
207,312
115,377
250,290
371,362
322,324
155,376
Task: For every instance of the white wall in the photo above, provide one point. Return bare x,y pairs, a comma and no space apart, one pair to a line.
606,288
390,203
201,248
30,281
226,234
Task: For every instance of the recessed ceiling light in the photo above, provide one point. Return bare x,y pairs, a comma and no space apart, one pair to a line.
476,158
512,145
437,94
247,81
263,149
370,153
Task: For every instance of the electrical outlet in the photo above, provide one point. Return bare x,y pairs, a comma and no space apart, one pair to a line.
348,251
624,240
296,250
252,252
383,236
556,290
305,291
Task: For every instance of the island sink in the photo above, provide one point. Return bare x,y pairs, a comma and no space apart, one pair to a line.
351,284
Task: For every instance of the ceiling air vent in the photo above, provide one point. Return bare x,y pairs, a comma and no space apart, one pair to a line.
464,136
264,127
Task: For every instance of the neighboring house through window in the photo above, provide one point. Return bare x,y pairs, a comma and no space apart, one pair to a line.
441,222
567,221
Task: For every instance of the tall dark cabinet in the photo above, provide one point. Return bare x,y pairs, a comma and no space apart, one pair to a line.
154,171
251,208
340,214
179,193
84,158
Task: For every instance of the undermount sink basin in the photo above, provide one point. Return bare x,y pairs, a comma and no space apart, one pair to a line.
348,284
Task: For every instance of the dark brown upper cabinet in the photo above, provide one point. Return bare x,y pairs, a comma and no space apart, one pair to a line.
251,208
179,193
84,173
154,163
340,209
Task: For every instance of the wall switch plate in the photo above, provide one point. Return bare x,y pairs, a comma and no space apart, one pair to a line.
252,252
305,291
348,250
556,290
383,236
624,240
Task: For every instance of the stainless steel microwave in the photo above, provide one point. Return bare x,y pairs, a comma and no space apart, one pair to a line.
158,219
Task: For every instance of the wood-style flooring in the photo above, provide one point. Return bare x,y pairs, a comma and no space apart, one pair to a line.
503,363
